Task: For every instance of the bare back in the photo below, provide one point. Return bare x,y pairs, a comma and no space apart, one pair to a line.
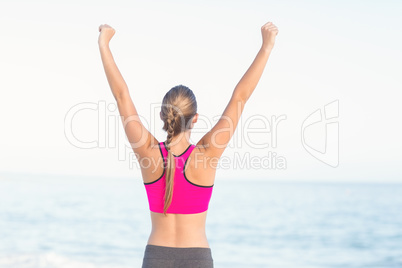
182,230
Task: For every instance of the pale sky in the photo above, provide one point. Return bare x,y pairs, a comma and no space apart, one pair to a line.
326,51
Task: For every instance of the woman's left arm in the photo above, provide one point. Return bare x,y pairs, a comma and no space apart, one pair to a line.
139,137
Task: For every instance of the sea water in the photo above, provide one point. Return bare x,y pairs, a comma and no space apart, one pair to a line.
61,221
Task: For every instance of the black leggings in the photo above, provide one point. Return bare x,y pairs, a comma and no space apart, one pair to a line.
171,257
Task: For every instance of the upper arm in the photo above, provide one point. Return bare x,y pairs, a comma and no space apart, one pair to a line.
139,137
215,141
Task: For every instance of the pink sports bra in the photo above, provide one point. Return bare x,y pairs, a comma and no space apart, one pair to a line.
188,197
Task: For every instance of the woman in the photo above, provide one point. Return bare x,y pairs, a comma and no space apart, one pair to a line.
179,176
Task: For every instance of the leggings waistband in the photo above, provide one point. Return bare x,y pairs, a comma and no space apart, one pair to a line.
173,253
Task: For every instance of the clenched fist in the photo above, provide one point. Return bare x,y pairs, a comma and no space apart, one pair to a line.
106,33
269,32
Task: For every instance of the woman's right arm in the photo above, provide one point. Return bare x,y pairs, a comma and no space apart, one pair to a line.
216,140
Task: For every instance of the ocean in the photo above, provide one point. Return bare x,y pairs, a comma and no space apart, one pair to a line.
61,221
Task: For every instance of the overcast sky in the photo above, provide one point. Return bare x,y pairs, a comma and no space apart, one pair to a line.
55,100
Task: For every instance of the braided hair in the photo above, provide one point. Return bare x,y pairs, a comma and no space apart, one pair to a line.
178,109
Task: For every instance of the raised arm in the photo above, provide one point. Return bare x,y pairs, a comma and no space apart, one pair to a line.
216,140
138,136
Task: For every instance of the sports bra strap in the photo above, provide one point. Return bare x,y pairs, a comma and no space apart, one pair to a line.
185,154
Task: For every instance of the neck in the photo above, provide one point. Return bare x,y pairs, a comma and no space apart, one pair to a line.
182,139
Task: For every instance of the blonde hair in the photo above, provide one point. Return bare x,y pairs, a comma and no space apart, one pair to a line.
178,109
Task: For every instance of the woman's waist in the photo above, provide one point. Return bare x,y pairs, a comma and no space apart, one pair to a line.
184,237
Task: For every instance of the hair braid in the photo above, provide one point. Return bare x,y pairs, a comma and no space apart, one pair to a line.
171,124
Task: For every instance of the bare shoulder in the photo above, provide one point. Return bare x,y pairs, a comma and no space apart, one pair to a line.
200,155
207,154
152,164
200,148
200,169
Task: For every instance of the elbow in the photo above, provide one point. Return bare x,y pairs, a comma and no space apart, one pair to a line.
120,94
240,97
